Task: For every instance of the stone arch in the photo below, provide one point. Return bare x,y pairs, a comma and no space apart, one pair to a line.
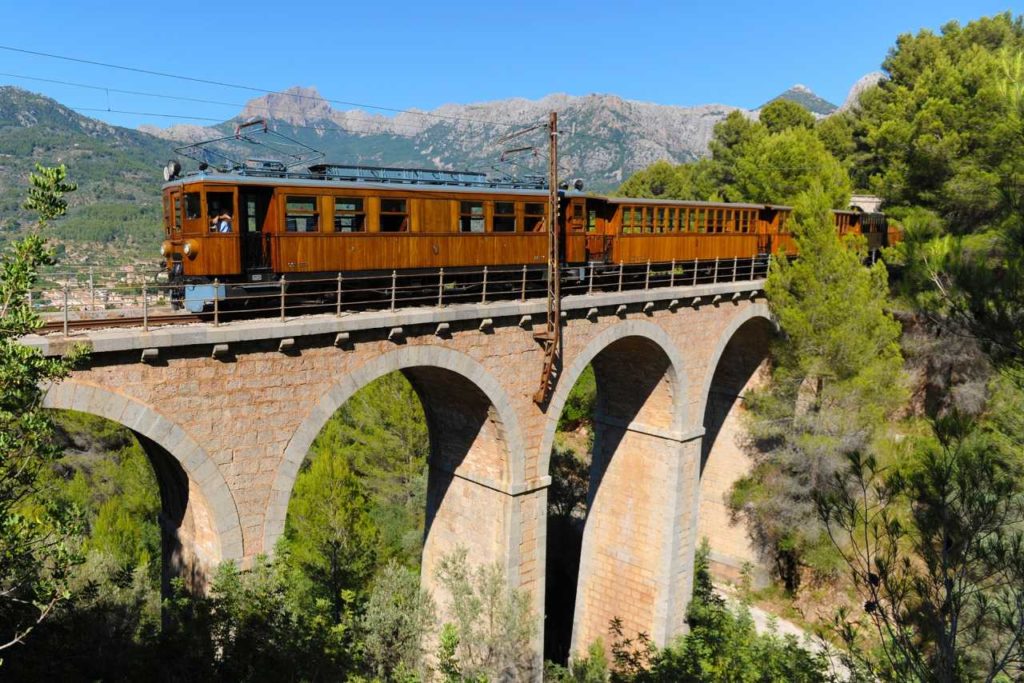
745,315
629,328
737,366
199,512
476,447
630,558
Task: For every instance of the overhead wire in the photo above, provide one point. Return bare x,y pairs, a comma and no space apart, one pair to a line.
236,86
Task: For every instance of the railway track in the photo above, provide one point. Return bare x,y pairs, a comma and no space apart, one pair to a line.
101,323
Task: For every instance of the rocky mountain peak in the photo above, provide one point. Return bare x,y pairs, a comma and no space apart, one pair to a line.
297,105
864,83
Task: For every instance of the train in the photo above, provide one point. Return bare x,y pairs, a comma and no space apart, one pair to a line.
233,234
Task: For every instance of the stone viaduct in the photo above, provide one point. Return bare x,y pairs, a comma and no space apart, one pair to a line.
228,413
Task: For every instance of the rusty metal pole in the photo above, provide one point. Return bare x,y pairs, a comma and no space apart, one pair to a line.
551,337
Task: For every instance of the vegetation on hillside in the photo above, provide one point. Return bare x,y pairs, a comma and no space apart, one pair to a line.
915,497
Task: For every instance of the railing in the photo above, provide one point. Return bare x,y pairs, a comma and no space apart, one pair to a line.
73,299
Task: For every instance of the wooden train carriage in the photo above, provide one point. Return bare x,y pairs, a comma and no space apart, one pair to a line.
306,226
872,225
623,230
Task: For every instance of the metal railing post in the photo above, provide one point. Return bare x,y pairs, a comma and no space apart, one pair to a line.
590,285
714,278
440,288
734,259
753,262
522,291
483,298
672,275
338,303
620,276
216,302
145,305
65,308
647,276
282,283
394,283
696,267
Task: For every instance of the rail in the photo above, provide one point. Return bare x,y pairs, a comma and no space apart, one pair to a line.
68,301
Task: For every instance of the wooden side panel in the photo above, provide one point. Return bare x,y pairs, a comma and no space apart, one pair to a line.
317,252
216,254
575,247
437,216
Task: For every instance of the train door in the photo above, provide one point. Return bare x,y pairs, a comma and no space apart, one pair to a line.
598,243
575,235
254,205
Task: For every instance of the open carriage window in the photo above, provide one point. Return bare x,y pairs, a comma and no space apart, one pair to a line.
534,213
471,216
394,215
193,208
301,215
348,214
504,216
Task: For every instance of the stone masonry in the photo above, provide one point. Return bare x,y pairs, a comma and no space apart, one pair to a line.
228,414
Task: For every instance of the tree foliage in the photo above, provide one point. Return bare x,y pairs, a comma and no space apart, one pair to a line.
494,625
936,549
35,553
835,381
770,161
722,646
330,536
780,115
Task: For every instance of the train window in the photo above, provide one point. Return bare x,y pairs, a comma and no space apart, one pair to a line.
671,227
659,219
177,213
348,214
700,220
394,216
301,215
534,213
648,219
471,217
591,220
504,217
193,209
630,220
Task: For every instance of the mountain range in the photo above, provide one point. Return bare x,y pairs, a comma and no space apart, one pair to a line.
603,139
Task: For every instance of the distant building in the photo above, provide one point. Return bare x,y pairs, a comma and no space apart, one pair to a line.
867,203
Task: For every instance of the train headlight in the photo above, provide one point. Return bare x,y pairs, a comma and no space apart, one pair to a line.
191,248
165,248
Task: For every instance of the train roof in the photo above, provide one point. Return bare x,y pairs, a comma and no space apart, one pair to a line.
305,180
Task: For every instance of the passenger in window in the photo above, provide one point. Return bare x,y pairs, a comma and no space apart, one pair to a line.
221,222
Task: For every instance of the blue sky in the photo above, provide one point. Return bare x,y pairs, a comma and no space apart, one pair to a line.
402,54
